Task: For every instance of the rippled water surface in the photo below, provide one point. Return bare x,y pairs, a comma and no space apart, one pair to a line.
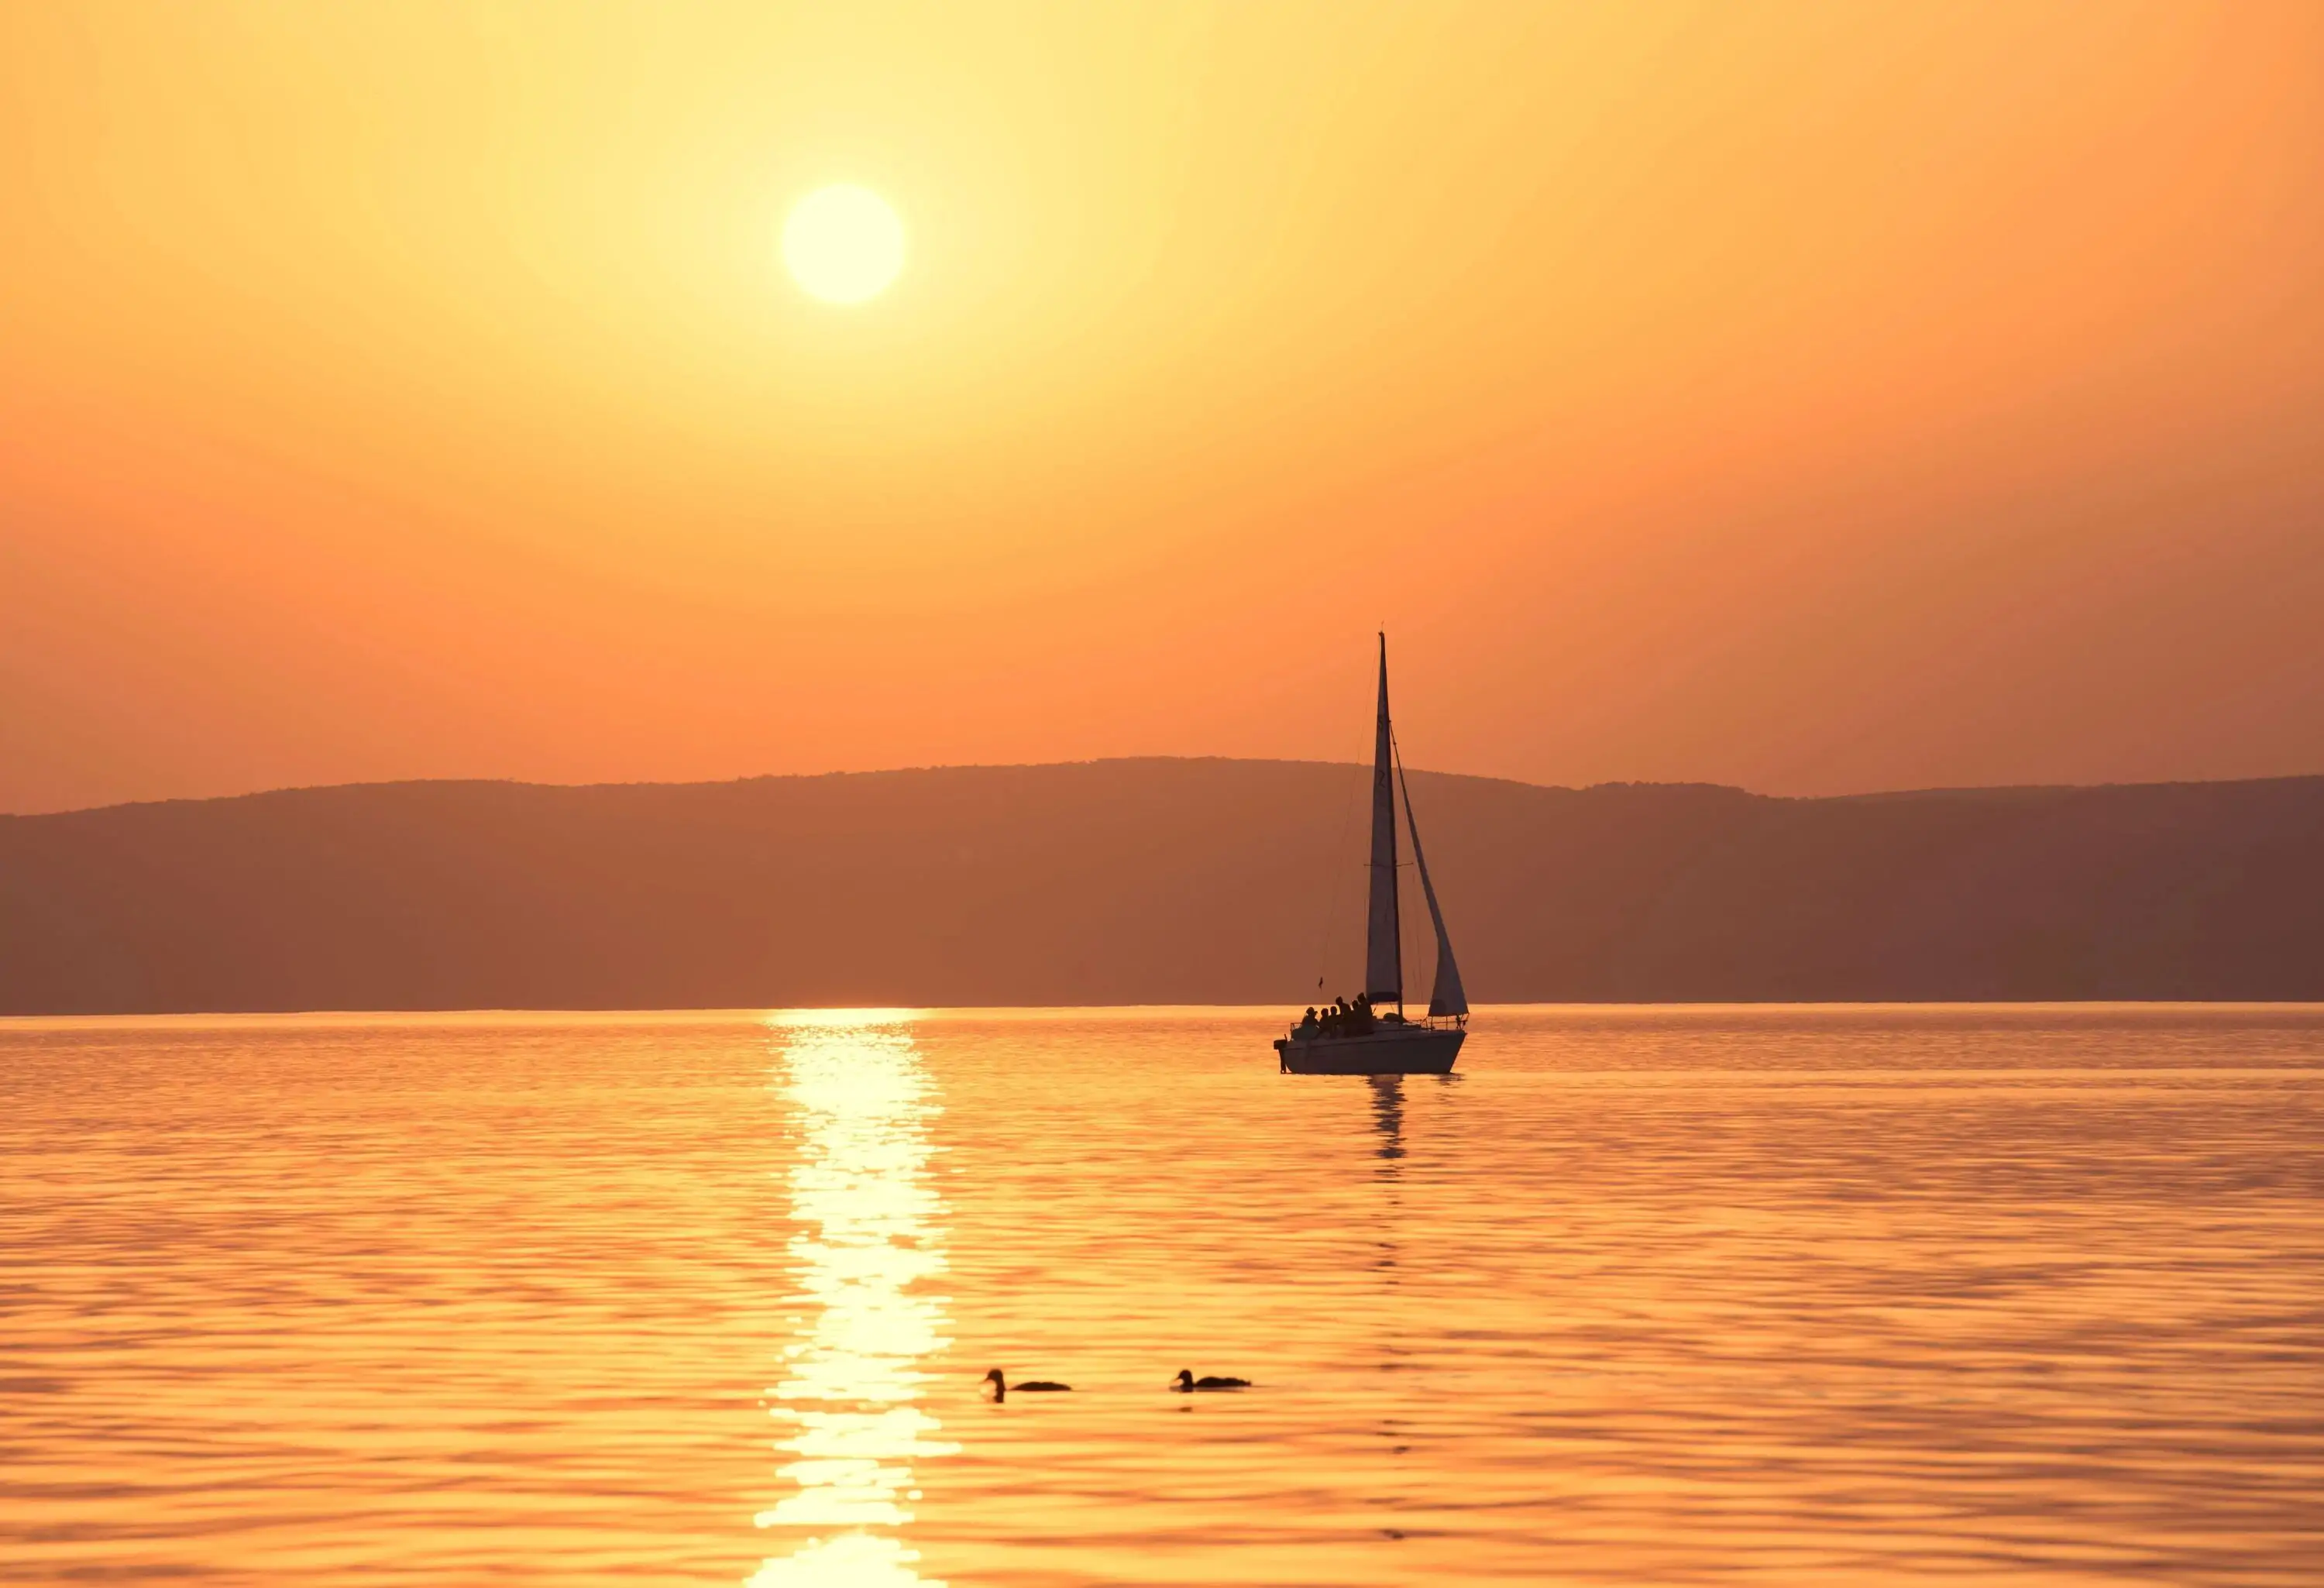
1641,1296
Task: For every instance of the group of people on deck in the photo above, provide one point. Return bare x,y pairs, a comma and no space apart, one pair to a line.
1342,1019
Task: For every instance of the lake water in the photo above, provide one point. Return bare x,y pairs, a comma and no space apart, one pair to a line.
1642,1296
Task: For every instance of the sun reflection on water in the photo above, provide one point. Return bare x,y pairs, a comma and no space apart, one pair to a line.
870,1236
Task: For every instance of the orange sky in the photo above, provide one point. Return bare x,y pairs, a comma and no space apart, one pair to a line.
1816,399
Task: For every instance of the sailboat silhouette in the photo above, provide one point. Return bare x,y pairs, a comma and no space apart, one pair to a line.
1366,1038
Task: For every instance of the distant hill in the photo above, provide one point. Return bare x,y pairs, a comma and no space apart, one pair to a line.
1147,881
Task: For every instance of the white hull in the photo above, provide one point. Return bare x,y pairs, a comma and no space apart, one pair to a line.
1385,1050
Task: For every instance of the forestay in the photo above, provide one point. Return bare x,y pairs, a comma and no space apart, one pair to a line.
1446,997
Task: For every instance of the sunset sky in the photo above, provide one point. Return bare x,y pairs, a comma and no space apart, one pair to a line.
1817,398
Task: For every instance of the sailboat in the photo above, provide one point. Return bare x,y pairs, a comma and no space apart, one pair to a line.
1368,1037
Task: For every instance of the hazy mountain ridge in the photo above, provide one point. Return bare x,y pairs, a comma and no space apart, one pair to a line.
1148,881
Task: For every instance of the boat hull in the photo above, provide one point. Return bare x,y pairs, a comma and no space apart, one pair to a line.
1385,1050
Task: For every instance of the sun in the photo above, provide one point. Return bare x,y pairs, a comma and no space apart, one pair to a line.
843,244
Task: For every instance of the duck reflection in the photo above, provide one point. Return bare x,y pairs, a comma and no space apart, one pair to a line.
870,1235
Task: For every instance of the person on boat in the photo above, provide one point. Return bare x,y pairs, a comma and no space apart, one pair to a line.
1307,1020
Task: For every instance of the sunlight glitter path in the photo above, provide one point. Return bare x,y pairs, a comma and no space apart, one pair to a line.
871,1238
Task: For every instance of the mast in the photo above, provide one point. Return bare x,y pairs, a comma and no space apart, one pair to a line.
1383,948
1447,997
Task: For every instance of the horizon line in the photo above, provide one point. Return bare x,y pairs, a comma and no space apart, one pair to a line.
890,1014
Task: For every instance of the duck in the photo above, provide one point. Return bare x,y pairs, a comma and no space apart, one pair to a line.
1001,1387
1186,1383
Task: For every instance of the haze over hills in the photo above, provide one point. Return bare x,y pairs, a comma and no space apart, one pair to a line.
1149,881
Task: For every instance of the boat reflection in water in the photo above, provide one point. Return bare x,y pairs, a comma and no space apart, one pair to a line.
869,1236
1387,1122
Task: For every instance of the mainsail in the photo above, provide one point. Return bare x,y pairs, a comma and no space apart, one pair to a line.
1383,958
1446,997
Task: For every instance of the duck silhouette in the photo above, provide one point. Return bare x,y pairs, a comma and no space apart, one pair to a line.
1186,1383
1001,1387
